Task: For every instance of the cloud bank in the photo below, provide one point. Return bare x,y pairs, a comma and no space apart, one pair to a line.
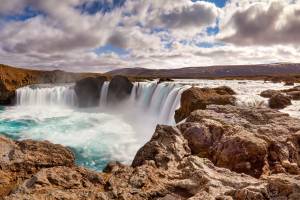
100,35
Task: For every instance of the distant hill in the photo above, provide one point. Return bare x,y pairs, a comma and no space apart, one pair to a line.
213,71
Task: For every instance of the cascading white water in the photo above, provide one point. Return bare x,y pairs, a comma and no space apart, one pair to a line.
45,95
103,96
99,135
158,100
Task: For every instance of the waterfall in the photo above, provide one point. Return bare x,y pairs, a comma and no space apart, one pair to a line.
103,96
159,100
147,98
46,95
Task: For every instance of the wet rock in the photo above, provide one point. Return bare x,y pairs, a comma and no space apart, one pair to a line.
279,101
289,83
269,93
119,89
292,93
198,98
88,91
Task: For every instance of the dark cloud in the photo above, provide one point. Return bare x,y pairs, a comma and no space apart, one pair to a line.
195,15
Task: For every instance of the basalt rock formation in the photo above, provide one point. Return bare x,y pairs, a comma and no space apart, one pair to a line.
198,98
119,89
88,91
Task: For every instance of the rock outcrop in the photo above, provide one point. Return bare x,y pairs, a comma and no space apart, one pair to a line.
223,152
20,160
88,91
198,98
119,89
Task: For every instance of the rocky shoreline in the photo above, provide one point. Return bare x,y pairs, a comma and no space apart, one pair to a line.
222,152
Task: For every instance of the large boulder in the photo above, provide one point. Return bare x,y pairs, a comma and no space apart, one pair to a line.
119,89
279,101
198,98
88,91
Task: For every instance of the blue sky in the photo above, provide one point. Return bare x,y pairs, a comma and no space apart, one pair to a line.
93,35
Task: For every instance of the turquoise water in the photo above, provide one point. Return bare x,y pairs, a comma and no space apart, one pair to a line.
95,138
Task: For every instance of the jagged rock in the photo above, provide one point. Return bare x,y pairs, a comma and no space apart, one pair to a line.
263,141
88,91
279,101
198,98
119,89
18,160
60,183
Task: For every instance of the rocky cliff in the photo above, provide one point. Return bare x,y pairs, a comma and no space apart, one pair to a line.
222,152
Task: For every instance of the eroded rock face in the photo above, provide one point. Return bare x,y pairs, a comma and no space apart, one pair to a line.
263,141
198,98
119,89
19,160
88,91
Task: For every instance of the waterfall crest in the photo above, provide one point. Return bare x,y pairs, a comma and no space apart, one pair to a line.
148,98
46,95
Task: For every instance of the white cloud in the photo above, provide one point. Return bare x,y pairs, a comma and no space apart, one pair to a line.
152,31
262,23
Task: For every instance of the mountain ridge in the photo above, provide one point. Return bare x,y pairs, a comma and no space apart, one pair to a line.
213,71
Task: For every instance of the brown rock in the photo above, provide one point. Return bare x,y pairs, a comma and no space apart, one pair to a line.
289,83
198,98
18,160
279,101
262,140
269,93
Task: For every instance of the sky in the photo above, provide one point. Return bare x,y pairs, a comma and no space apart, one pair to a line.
103,35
